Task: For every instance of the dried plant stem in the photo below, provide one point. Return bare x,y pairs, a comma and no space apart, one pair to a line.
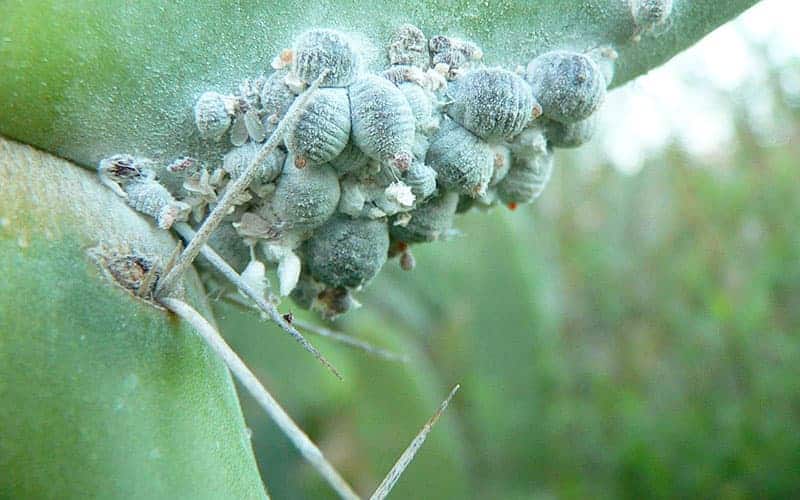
232,192
307,448
342,338
350,341
408,455
230,273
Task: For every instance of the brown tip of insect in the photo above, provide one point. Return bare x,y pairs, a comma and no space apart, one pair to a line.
407,261
402,246
512,206
300,162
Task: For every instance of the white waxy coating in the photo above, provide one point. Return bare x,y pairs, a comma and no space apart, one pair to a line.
462,161
383,123
322,128
320,49
492,103
568,85
212,115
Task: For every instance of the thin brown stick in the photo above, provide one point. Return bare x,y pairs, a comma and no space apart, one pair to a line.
232,192
350,341
230,273
249,381
408,455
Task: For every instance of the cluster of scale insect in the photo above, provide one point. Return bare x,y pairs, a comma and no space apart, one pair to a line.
371,163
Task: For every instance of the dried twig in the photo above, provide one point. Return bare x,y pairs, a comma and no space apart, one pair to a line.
408,455
307,448
350,341
232,192
230,273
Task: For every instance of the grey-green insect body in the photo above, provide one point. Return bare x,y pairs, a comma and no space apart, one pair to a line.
322,128
569,86
382,121
526,179
430,221
462,161
571,135
213,114
149,197
317,50
351,159
421,179
303,198
276,98
347,252
236,161
492,103
421,103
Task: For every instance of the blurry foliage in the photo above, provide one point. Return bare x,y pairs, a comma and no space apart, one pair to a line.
626,336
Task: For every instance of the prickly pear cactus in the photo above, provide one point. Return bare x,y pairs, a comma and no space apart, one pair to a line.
104,394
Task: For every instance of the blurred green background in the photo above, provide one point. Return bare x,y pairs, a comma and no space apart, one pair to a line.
629,335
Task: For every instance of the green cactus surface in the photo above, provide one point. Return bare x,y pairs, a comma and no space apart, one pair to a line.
103,395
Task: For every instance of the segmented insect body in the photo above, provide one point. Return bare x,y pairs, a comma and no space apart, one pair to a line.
322,128
149,197
571,135
237,160
409,46
320,49
462,161
526,179
568,85
304,198
421,179
492,103
421,103
382,120
649,13
430,221
276,98
351,159
347,252
213,114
